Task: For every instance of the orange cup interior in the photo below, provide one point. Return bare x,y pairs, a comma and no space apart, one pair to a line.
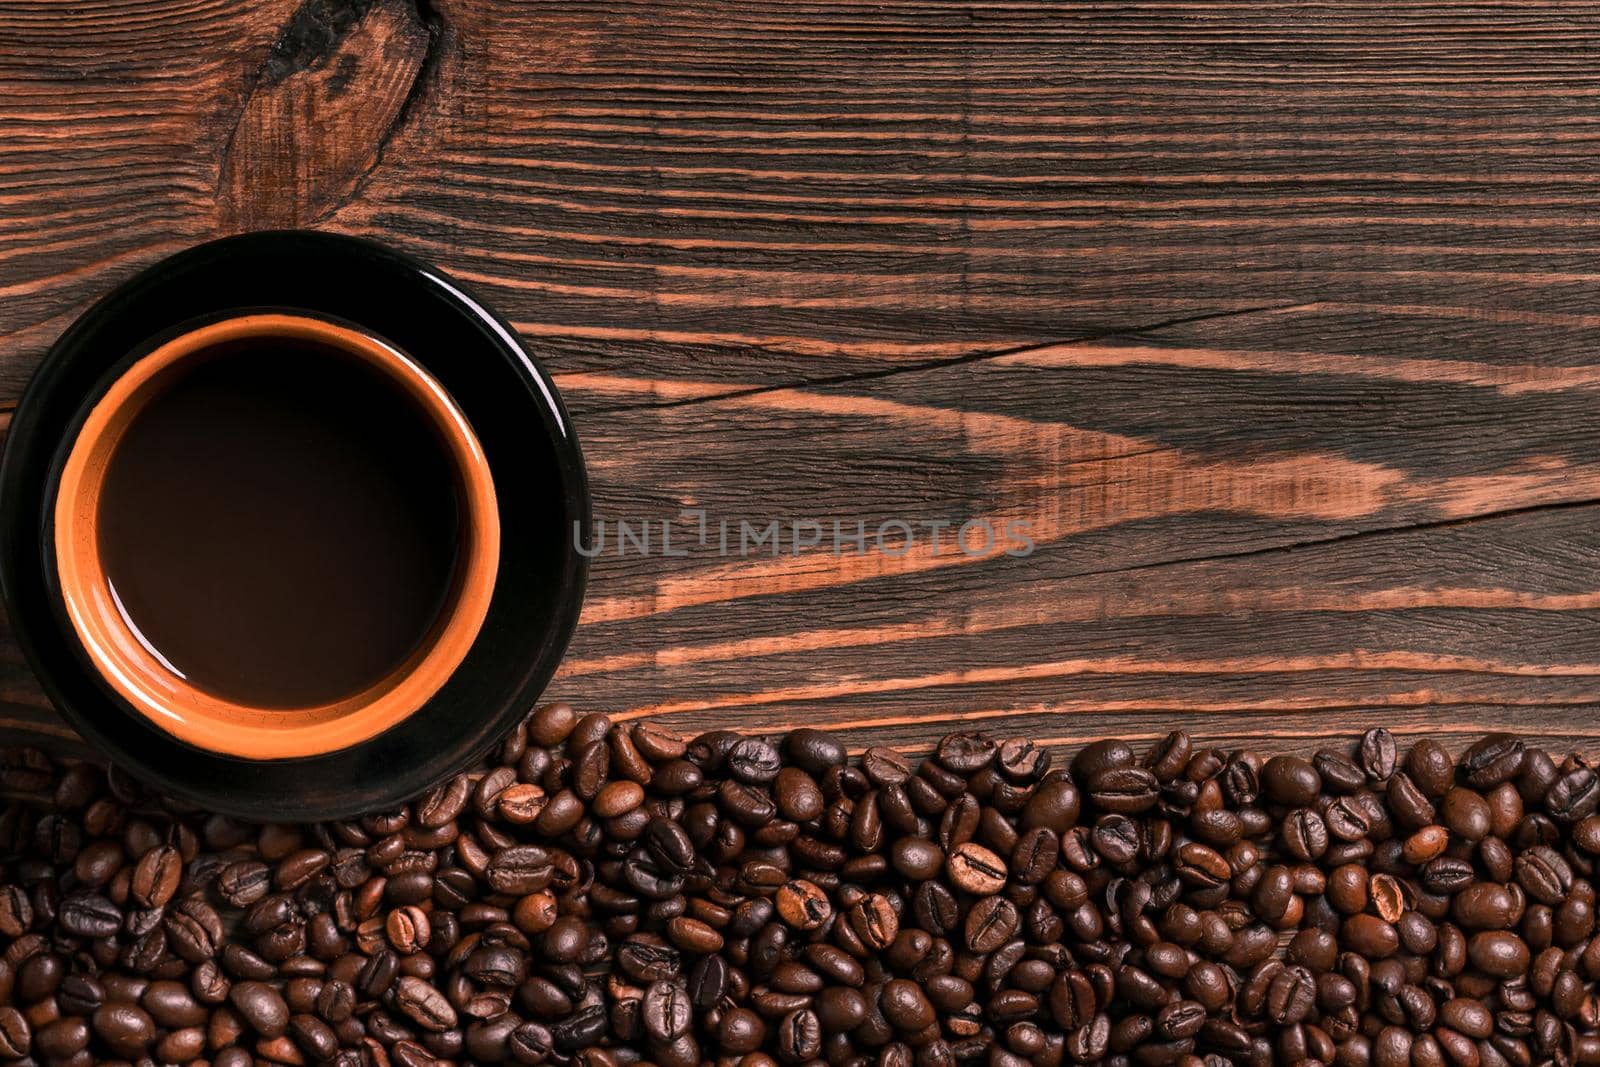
203,719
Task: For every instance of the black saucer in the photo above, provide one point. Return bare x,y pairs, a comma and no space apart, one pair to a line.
519,420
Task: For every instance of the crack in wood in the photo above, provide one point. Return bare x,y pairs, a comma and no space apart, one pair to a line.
954,361
1354,535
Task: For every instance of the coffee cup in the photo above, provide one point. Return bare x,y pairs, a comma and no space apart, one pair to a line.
288,526
274,597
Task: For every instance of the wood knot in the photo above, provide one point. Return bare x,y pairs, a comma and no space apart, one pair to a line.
336,85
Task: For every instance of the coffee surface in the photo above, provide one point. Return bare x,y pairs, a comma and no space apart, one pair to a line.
280,523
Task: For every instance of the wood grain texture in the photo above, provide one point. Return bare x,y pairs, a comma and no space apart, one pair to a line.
1274,323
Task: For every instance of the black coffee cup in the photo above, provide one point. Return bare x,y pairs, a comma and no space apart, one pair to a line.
393,357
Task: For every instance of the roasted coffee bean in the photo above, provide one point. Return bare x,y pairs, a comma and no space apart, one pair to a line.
974,869
666,1011
445,802
1495,759
261,1006
1340,775
803,905
244,883
905,1006
298,868
1574,795
1305,834
799,1036
408,929
155,877
16,1036
16,911
1499,953
741,1031
86,914
874,921
424,1005
814,751
1377,755
1370,936
123,1028
1124,790
992,922
1054,805
1021,759
607,895
1290,781
65,1038
1544,874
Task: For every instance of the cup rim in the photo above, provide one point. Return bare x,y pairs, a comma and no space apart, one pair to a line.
150,686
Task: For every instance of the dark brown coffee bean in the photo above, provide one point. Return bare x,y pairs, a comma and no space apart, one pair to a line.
1290,996
1465,813
618,798
90,915
1054,805
974,869
1201,867
551,724
125,1029
172,1005
814,751
1499,953
742,1031
753,761
1020,759
1370,936
1377,755
16,1036
1035,855
992,922
261,1006
799,1036
1410,807
1484,906
874,921
1545,874
1124,790
520,869
884,767
1574,795
16,911
747,805
424,1005
244,883
803,905
666,1011
80,994
64,1038
1290,781
1495,759
156,876
300,867
1305,834
906,1006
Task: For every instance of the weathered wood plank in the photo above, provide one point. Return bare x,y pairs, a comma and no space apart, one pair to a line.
1274,323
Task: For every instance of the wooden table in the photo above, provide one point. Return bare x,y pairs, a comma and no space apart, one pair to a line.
1275,323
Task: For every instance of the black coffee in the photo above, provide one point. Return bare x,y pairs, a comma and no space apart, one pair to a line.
280,524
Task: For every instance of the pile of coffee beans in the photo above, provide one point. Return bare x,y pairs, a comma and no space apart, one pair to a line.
608,894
